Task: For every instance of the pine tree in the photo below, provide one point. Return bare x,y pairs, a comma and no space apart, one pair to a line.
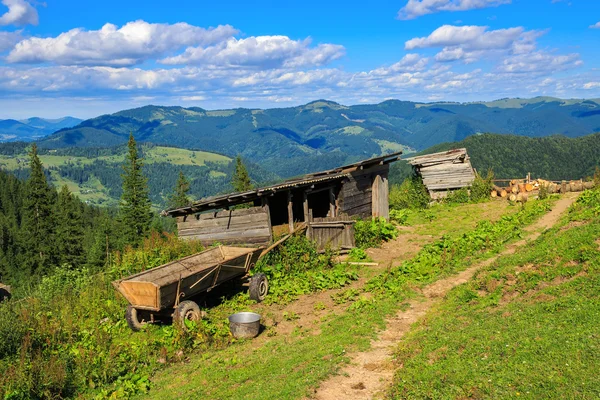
135,203
38,222
69,230
240,179
179,196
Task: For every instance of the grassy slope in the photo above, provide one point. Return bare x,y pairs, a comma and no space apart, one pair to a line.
93,191
290,366
525,327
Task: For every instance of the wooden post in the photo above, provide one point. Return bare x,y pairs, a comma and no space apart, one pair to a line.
331,203
305,204
563,187
290,211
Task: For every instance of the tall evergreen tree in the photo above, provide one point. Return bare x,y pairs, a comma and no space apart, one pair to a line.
69,230
135,203
38,220
179,196
240,179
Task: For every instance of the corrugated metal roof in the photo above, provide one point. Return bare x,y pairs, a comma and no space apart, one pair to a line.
251,195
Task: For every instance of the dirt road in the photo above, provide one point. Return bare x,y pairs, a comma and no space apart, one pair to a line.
371,372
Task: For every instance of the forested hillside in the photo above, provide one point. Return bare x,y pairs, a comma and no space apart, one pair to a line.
323,134
42,228
33,128
94,174
554,158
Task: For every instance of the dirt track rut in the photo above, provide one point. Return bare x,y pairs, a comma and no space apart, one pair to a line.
370,373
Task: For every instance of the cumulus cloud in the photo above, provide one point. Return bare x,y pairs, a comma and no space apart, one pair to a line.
8,40
417,8
539,63
596,25
591,85
19,13
260,51
129,45
471,43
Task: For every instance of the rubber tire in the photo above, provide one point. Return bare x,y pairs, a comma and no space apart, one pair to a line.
133,319
259,287
4,295
187,310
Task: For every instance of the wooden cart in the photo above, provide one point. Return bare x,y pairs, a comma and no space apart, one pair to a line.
164,290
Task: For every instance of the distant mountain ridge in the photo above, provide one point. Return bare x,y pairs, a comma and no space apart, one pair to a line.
325,134
33,128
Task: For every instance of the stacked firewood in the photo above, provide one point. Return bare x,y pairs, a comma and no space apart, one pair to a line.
518,190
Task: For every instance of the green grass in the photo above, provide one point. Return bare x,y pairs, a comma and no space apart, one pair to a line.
525,327
153,154
291,366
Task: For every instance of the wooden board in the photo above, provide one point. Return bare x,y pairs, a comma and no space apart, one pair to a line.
244,226
335,233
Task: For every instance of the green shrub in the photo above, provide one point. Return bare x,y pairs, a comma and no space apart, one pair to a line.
482,187
399,216
460,196
411,194
357,254
373,232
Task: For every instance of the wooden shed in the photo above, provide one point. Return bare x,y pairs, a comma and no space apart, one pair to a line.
444,172
324,201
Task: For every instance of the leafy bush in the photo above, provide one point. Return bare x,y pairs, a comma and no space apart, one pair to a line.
373,232
399,216
296,268
357,254
411,194
460,196
482,187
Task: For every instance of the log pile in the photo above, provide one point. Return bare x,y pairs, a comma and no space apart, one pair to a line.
517,190
441,172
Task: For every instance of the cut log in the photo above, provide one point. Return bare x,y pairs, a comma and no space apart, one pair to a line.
528,187
522,188
514,189
522,198
588,185
512,197
503,193
494,194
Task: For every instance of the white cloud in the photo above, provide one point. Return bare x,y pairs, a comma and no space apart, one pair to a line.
472,43
8,40
19,13
596,25
418,8
129,45
473,37
260,51
539,63
591,85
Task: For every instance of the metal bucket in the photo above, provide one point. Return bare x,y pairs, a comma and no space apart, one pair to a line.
244,325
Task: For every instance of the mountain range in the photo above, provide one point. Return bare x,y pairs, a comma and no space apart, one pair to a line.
323,134
34,128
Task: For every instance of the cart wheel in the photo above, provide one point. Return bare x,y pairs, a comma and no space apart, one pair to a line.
259,287
4,294
134,320
187,310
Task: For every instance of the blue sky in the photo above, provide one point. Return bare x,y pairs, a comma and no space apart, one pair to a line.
88,58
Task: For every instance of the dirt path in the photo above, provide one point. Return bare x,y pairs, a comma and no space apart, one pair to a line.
371,372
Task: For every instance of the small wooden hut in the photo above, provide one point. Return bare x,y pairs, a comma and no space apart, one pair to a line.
324,201
444,172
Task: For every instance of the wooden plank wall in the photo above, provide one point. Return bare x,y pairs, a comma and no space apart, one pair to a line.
336,233
244,226
356,196
381,205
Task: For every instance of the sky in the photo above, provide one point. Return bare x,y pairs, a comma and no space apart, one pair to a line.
83,58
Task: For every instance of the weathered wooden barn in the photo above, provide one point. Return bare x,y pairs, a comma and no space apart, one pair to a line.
444,172
324,201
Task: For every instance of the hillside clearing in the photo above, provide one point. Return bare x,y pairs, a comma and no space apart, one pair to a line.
302,344
371,372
